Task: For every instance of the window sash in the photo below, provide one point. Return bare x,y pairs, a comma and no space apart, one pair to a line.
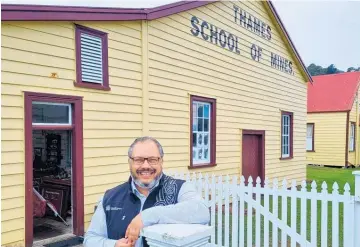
352,138
58,104
201,132
285,138
309,137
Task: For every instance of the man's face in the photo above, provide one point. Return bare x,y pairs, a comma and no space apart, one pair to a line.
150,169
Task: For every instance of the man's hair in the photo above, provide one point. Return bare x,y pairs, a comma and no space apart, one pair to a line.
143,139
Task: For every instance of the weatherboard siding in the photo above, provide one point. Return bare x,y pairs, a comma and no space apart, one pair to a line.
31,51
249,94
329,142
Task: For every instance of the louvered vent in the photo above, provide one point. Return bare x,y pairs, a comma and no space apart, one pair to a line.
91,59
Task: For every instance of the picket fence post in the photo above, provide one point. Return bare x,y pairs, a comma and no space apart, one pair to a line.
357,208
171,235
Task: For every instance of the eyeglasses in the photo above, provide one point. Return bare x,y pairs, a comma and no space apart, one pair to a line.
140,160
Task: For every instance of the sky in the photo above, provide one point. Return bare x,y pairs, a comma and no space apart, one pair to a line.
324,31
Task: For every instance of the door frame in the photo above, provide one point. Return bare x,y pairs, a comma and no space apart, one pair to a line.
77,160
260,133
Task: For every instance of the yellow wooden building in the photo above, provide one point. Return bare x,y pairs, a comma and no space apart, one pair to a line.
220,84
333,120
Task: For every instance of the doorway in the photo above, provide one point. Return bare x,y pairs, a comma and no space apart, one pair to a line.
253,154
54,191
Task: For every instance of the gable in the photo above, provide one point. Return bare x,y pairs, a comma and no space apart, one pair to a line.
243,29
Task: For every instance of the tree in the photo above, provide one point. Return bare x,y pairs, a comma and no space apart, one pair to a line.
318,70
331,69
352,69
315,69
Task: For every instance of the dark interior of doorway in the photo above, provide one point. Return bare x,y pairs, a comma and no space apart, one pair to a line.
52,169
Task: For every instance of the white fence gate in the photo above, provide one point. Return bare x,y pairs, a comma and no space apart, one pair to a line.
247,213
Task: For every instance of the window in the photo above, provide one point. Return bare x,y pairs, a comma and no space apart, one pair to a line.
310,137
91,58
203,132
46,113
352,138
286,135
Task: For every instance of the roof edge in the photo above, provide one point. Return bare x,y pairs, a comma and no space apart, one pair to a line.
330,111
354,95
24,12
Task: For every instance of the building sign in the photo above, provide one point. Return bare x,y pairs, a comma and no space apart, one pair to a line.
252,23
215,35
229,41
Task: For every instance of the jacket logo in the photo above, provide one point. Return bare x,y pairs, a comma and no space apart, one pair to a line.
108,208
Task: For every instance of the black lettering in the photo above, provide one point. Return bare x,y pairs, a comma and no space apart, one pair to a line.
273,60
259,53
268,29
231,42
257,24
203,25
242,17
254,52
236,45
290,67
236,9
249,24
213,34
263,27
195,30
222,41
282,63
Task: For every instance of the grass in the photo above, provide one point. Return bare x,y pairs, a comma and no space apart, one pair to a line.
319,175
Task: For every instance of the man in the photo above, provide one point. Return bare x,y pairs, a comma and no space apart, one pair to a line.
148,197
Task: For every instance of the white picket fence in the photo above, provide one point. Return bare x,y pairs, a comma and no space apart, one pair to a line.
282,214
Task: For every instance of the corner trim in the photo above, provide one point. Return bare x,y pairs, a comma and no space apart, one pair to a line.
347,139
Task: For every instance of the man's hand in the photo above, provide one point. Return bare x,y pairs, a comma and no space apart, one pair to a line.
123,243
133,230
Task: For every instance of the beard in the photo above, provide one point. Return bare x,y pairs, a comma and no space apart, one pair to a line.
150,185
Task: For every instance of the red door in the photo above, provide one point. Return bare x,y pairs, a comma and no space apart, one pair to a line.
253,155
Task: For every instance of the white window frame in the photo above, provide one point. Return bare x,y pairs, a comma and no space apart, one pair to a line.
69,123
195,160
352,137
310,139
286,135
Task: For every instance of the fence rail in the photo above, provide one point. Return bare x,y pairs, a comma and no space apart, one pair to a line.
268,213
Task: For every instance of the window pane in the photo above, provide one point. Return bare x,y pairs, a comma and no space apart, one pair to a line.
195,126
200,124
200,154
206,125
206,111
309,143
201,111
194,139
206,139
194,110
49,113
200,139
206,154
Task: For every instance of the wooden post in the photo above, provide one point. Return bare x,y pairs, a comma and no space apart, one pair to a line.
171,235
357,208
